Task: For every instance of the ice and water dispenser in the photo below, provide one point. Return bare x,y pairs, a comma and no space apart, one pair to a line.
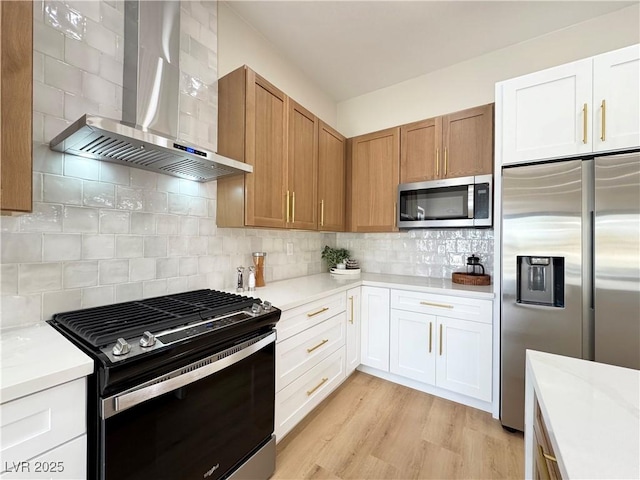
540,280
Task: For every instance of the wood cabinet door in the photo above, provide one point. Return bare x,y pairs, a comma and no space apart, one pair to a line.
463,363
302,167
375,327
266,150
412,345
547,114
468,142
16,105
373,181
331,179
616,99
420,149
353,328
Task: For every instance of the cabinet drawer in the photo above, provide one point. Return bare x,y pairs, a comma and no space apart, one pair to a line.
66,462
297,354
36,423
300,318
301,396
443,305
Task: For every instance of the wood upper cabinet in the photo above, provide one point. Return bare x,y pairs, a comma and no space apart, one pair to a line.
372,178
252,127
332,148
456,145
16,105
468,142
421,146
302,168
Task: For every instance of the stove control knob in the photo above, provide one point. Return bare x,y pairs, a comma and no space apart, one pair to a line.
148,340
121,347
267,306
256,308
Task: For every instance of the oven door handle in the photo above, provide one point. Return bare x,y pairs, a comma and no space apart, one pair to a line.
179,378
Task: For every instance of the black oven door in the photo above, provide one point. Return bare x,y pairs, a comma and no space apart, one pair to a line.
200,423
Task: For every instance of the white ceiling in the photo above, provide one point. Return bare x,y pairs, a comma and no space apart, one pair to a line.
353,47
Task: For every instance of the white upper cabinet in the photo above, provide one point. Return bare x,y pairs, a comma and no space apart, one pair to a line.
616,99
559,112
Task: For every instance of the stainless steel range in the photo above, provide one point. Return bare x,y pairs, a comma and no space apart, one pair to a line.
184,386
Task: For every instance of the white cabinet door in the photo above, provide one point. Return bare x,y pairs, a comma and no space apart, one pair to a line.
412,342
375,327
547,114
353,328
464,357
616,99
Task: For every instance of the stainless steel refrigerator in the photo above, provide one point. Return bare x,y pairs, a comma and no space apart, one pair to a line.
570,266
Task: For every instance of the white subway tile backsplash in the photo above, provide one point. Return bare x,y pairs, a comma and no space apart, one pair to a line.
59,247
112,18
155,246
113,271
177,246
188,266
188,226
80,167
113,173
143,178
189,187
53,126
197,282
142,269
167,224
168,184
9,279
36,187
57,189
129,198
98,247
20,310
207,227
167,267
155,201
45,217
197,246
114,221
80,274
38,66
101,38
98,89
60,301
47,40
154,288
64,18
129,246
177,285
97,194
39,277
46,160
178,204
61,75
98,296
143,223
38,127
47,99
80,220
198,207
75,106
206,265
81,55
127,292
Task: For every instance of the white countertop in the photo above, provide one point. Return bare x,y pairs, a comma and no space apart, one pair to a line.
35,358
291,293
592,413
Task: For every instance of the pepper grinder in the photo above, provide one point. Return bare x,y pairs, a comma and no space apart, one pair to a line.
240,279
258,262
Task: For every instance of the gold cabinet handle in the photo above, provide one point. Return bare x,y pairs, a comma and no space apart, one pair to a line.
322,213
324,340
318,312
430,335
432,304
584,123
293,207
322,382
603,137
395,214
287,206
351,300
446,161
541,455
549,457
440,339
437,162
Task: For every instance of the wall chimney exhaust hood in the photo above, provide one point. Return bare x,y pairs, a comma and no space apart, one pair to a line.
147,136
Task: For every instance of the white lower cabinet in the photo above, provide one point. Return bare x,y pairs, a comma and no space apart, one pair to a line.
411,348
375,327
354,296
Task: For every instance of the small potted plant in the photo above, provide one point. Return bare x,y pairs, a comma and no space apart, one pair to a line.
335,256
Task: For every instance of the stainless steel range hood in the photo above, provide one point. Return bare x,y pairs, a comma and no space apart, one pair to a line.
147,136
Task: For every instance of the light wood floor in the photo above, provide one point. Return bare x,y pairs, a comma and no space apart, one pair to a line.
373,429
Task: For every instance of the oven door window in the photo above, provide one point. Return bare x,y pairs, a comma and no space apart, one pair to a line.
201,430
435,203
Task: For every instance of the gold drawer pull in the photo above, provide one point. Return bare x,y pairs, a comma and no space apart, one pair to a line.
603,105
322,213
441,339
548,457
430,335
351,300
322,382
584,123
309,350
432,304
318,312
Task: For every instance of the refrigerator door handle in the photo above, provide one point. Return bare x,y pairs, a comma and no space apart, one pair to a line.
592,266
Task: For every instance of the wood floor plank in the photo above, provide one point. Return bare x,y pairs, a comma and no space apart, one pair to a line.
373,429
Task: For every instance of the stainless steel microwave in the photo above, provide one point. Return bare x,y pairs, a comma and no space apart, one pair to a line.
454,202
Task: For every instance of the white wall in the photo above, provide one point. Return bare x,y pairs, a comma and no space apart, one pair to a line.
240,44
472,82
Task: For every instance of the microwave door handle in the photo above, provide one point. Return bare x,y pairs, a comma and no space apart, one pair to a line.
470,197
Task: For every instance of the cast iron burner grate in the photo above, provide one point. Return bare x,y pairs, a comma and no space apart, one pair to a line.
100,326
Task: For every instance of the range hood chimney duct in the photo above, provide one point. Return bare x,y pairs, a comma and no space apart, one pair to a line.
147,135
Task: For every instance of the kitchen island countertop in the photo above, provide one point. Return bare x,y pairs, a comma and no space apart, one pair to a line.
35,358
592,413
